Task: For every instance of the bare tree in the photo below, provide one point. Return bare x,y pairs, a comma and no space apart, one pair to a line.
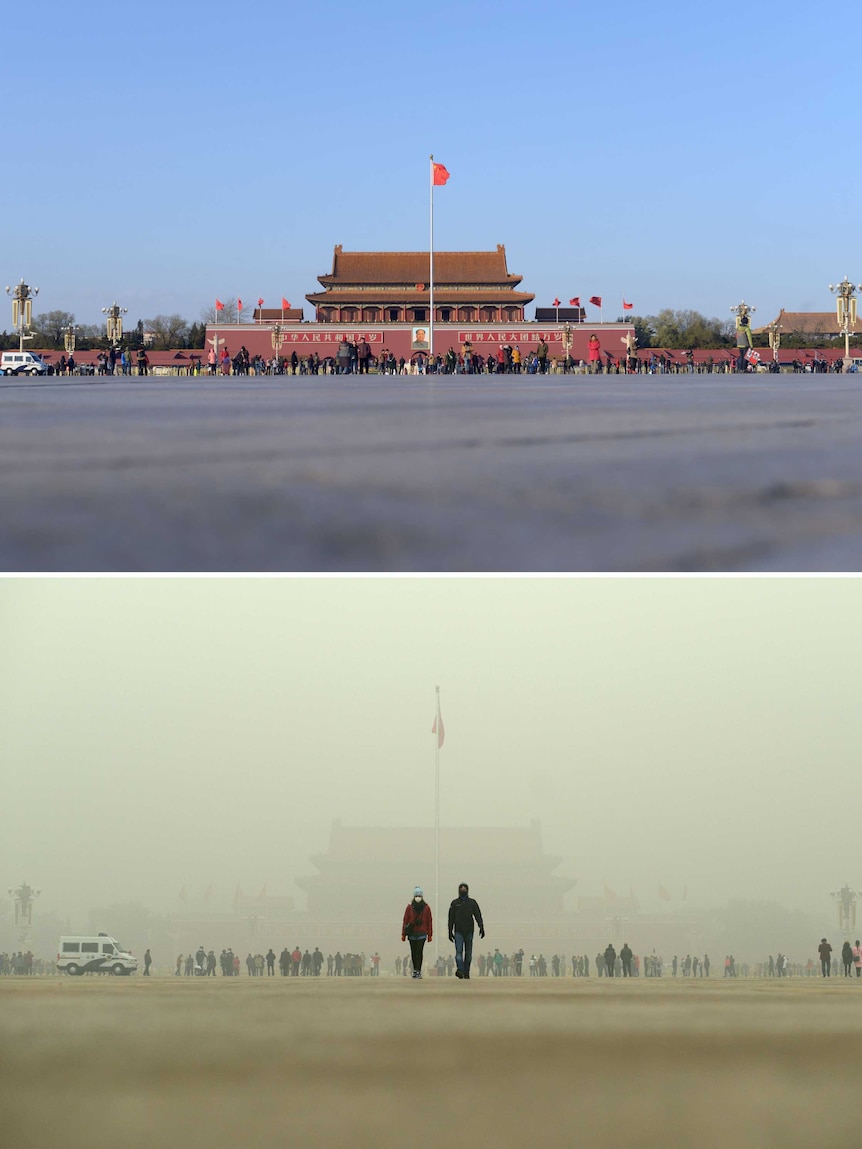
49,327
168,331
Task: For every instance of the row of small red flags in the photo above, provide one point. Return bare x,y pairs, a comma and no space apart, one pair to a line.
596,301
439,176
285,306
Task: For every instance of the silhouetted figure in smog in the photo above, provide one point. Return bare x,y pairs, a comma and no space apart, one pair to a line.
626,956
825,951
610,959
847,958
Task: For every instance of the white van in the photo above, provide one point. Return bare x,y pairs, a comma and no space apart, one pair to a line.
22,363
94,954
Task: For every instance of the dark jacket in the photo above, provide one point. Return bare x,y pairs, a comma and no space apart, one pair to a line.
462,911
417,927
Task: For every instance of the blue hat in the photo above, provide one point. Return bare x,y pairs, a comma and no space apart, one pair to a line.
417,893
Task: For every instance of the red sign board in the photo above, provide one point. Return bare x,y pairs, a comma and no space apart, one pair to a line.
531,336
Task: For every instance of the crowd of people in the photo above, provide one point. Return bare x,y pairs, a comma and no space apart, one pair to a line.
358,359
491,963
25,964
290,963
464,918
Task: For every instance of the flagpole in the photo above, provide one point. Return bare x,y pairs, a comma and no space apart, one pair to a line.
437,831
431,273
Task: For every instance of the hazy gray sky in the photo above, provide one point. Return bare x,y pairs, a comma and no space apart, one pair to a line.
161,733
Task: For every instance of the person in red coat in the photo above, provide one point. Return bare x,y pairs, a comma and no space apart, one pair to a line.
417,928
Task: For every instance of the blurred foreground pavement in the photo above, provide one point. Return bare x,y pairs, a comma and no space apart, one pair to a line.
661,473
177,1063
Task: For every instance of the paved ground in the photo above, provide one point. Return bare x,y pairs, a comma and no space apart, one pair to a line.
516,474
176,1064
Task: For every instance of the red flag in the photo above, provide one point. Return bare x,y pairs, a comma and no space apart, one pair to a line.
260,303
285,306
440,174
219,305
239,305
627,306
576,302
596,300
556,303
439,731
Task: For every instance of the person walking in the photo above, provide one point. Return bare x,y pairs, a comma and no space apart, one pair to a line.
610,960
847,958
825,951
463,911
417,928
626,956
148,961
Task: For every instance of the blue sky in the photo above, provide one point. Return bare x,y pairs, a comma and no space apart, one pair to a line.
675,154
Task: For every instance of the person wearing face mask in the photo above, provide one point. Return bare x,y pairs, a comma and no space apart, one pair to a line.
417,928
462,913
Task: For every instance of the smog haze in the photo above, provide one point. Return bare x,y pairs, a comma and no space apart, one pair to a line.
169,735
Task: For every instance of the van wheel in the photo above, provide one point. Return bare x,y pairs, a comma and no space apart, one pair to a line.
72,970
117,970
34,372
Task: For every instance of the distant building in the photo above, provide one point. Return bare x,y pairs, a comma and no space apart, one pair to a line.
272,315
808,324
367,872
393,287
383,298
366,875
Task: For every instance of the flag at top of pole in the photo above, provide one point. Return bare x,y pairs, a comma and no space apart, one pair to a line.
437,728
440,175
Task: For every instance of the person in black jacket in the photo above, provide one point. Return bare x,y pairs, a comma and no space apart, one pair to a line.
610,960
626,956
462,913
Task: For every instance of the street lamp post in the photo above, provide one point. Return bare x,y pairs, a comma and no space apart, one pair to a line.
845,306
22,309
24,897
775,339
70,334
114,323
744,342
567,345
277,335
846,901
